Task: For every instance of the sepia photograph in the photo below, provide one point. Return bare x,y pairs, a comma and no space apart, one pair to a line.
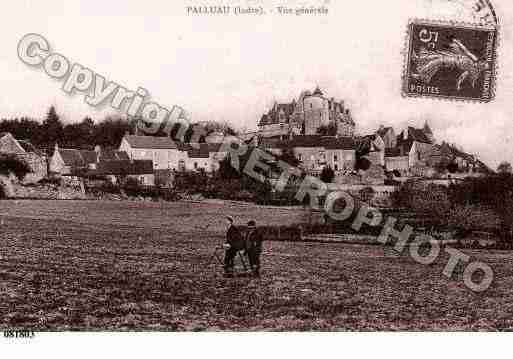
314,169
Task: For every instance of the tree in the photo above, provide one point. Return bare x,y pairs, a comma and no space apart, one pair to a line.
505,168
52,130
288,157
214,126
362,163
10,163
109,132
87,130
327,174
226,170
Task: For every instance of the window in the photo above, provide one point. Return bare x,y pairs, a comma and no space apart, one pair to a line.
195,165
336,167
335,158
299,157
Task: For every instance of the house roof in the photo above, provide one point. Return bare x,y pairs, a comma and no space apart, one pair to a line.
338,143
150,142
27,146
414,134
383,131
272,116
200,150
448,150
305,141
124,167
393,152
318,91
264,120
113,155
77,158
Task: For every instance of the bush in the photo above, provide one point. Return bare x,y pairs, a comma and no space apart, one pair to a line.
104,187
469,218
10,163
52,180
327,175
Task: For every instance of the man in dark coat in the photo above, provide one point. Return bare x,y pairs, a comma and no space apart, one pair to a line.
254,247
250,242
234,243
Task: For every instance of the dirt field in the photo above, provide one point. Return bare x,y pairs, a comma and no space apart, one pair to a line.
140,266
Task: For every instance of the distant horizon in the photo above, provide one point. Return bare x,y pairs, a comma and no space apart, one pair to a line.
232,68
398,130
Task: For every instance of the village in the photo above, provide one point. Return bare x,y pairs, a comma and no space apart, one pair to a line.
319,132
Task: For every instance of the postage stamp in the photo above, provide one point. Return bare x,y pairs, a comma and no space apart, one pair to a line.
450,61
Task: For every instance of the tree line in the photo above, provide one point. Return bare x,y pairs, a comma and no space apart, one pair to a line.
87,133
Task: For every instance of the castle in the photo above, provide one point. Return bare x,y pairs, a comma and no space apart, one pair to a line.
307,115
320,131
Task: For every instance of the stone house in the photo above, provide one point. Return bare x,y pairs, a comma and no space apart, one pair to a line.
388,136
162,151
314,152
372,148
203,156
414,154
119,171
25,151
70,161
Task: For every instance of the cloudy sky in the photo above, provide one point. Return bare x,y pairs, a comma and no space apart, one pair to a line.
232,68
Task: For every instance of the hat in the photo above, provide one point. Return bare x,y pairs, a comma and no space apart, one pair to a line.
230,218
251,223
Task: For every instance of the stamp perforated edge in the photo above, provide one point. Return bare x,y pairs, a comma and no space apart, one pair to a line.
406,60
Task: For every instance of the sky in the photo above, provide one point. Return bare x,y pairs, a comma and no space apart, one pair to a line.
232,68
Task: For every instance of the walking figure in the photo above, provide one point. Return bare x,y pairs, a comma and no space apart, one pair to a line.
250,243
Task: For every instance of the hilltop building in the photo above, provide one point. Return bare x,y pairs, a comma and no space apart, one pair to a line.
305,116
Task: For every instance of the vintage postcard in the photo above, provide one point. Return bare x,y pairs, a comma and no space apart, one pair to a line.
255,166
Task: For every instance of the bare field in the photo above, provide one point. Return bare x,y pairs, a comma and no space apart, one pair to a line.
94,265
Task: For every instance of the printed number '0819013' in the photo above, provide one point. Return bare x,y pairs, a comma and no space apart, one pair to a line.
14,334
